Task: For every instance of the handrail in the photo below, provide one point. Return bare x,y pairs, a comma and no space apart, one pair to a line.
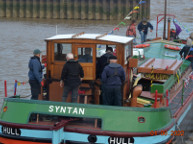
158,21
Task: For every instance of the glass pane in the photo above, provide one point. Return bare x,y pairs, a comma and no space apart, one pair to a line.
61,50
101,49
85,55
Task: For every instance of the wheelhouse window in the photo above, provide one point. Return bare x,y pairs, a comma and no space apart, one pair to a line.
127,52
101,49
61,50
85,55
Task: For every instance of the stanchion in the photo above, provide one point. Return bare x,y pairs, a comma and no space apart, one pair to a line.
5,86
15,88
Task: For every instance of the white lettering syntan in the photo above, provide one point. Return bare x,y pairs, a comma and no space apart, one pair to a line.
65,109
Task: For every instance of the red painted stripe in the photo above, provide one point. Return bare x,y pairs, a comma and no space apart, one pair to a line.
115,134
11,141
36,127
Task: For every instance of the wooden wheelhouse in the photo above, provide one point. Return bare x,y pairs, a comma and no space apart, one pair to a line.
59,45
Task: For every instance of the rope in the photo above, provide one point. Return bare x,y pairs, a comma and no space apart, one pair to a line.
177,77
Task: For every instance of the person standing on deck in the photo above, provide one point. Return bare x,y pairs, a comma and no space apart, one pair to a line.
103,61
143,29
190,40
71,77
131,30
35,74
187,51
113,77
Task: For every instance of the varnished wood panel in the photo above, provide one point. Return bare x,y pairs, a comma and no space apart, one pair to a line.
55,92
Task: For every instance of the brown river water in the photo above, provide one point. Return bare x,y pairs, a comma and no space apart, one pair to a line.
19,37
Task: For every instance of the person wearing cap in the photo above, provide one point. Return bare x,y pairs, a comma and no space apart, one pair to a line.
113,77
71,77
103,61
35,74
143,29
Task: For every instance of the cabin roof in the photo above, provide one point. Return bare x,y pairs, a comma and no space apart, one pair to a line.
111,38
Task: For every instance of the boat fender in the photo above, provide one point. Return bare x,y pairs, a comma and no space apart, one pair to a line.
172,47
141,45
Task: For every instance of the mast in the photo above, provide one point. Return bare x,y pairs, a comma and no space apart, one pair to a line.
165,12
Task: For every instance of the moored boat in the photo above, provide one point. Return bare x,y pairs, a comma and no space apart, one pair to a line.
157,95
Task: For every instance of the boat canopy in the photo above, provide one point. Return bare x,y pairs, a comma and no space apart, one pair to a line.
104,37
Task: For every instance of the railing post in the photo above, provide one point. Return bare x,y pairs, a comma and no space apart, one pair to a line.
15,88
5,86
182,99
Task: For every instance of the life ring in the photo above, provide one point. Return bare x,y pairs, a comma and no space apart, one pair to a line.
141,45
172,47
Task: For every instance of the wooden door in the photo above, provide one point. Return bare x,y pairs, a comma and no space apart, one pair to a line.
86,55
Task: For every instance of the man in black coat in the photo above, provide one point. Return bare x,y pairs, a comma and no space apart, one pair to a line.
71,77
143,29
104,61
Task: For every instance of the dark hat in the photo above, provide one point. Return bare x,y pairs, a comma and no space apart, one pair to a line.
36,51
112,57
144,20
109,49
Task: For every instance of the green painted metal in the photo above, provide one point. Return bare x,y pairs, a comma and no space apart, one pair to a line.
158,51
124,119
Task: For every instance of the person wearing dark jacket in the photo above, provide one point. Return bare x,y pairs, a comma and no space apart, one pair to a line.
113,77
71,77
189,54
143,29
35,74
103,61
184,51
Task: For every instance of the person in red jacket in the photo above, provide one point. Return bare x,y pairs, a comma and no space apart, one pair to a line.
131,30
